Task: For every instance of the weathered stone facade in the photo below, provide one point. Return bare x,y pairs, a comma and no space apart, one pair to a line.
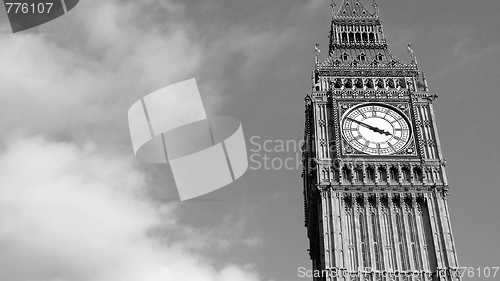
373,213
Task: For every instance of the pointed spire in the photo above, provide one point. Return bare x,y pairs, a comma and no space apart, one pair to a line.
375,7
317,50
357,38
426,86
352,8
412,55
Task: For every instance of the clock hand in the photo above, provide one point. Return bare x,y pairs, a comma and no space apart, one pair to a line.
375,129
363,124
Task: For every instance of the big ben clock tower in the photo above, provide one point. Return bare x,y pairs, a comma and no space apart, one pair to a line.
375,185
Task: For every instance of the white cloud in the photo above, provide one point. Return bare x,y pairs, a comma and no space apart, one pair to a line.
51,84
77,209
80,79
76,213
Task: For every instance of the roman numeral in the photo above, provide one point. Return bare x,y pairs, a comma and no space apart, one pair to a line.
392,147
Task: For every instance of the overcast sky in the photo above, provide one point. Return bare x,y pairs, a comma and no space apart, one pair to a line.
76,205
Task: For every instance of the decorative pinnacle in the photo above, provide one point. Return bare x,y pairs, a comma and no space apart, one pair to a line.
317,50
333,5
376,8
426,86
413,58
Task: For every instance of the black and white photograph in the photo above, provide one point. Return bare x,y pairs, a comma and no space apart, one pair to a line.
256,140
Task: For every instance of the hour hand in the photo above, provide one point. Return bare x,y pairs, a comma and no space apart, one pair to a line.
377,130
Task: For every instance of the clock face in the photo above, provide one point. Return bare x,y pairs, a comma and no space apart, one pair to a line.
376,129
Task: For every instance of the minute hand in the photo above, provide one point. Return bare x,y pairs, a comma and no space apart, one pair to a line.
375,129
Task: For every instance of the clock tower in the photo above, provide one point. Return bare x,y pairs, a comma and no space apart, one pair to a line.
375,187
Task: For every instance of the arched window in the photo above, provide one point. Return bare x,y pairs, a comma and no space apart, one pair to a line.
336,175
362,57
370,174
390,83
346,174
351,37
382,174
369,83
344,37
380,83
348,83
417,174
359,174
359,83
406,174
358,37
428,175
338,83
436,176
345,56
365,37
393,174
401,83
372,37
380,56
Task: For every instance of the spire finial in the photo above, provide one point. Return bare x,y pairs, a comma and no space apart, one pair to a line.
317,50
413,58
333,5
375,6
426,86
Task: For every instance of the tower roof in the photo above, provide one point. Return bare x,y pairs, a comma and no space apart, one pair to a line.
353,8
357,39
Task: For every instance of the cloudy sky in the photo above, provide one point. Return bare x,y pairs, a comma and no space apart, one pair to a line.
76,205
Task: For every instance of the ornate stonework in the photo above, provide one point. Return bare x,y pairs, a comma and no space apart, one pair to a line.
369,215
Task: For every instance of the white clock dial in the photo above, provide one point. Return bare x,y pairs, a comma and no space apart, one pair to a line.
376,129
